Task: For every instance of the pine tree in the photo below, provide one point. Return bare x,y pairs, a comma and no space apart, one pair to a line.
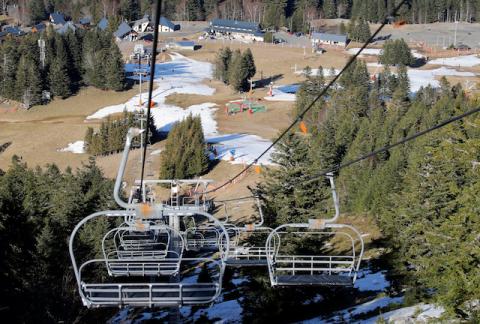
238,71
184,155
114,69
59,78
329,9
37,10
8,69
287,198
28,82
249,63
222,64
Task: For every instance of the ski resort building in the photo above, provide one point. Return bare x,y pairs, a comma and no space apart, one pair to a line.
141,25
237,29
57,18
125,32
103,24
166,26
329,39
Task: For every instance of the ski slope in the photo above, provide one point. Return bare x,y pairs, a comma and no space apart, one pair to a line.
186,76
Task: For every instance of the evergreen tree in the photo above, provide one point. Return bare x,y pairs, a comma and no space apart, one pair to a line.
249,63
37,10
59,78
396,52
222,64
329,9
28,83
114,69
237,72
184,155
8,69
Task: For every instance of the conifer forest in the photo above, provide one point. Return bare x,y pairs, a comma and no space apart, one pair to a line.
275,161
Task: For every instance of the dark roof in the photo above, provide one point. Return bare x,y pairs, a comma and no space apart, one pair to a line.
330,37
57,18
165,22
224,25
103,23
40,26
15,31
185,43
123,30
85,21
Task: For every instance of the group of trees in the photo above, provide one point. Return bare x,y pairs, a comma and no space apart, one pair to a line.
110,137
185,154
71,60
396,52
422,194
38,210
358,30
235,68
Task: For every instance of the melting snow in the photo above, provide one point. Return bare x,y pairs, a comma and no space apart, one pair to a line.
229,312
378,51
184,75
422,78
460,61
368,281
279,95
422,313
76,147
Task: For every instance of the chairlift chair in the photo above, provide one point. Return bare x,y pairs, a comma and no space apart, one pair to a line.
139,271
291,269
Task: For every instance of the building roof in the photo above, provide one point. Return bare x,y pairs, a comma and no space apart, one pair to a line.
185,43
57,18
15,31
225,25
166,22
85,21
330,37
123,30
65,28
103,23
141,21
40,27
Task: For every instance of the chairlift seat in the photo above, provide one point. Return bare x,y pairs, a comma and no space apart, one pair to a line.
246,262
314,280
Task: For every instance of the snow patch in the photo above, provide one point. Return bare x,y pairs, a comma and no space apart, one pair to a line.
246,148
368,281
460,61
279,95
77,147
185,76
228,312
156,152
378,51
421,313
422,78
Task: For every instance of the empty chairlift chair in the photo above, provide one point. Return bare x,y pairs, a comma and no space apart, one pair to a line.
247,242
288,266
143,262
150,256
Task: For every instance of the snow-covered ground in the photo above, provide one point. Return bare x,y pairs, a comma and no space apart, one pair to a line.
458,61
421,313
279,95
371,281
75,147
378,51
422,78
184,75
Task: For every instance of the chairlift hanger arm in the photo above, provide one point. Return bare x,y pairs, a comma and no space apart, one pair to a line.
132,132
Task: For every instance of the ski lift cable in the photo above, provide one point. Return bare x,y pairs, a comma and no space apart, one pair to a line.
300,116
150,86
